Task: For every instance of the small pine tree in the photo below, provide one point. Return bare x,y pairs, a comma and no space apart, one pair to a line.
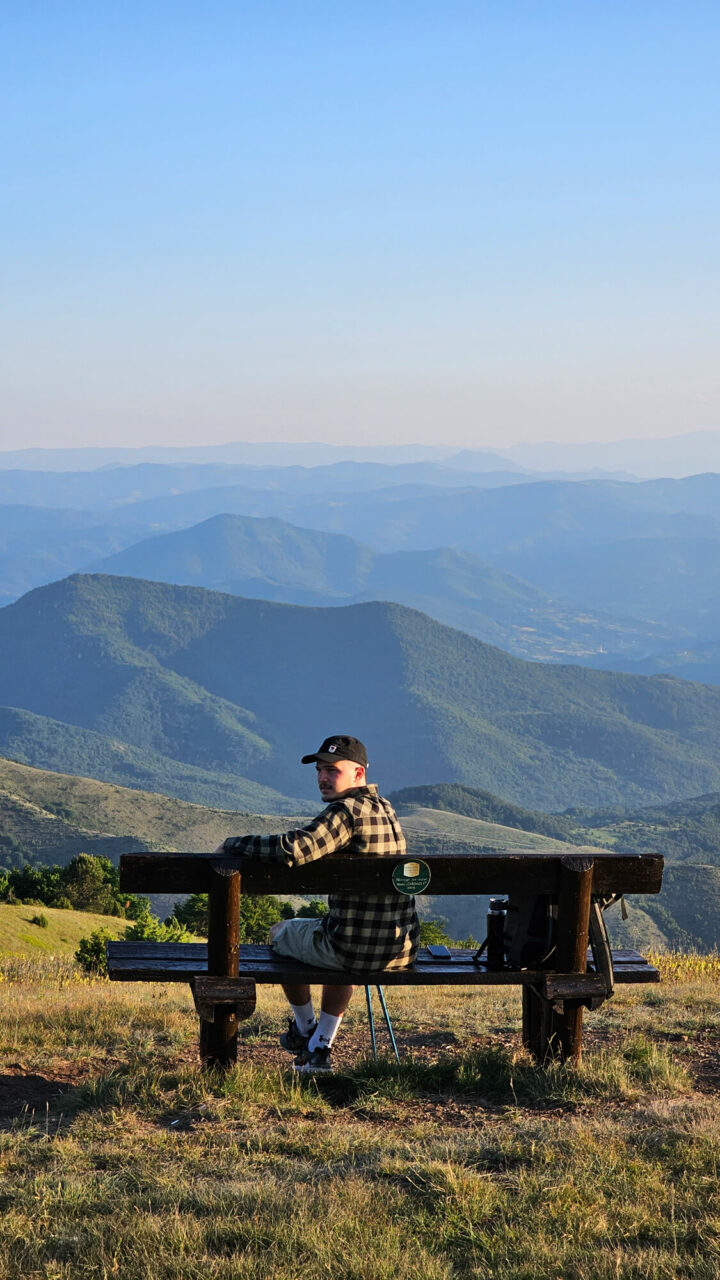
432,934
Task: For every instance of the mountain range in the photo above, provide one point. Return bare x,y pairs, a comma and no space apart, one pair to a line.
243,688
619,575
51,744
678,455
278,561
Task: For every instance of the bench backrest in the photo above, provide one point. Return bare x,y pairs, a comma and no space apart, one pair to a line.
450,873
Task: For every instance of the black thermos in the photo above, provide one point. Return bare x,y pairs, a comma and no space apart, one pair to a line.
496,917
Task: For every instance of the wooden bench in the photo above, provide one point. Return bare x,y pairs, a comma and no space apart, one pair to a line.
223,973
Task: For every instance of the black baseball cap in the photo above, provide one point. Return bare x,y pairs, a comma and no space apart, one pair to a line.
339,747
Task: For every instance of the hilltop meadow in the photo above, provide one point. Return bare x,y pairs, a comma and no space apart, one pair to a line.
119,1157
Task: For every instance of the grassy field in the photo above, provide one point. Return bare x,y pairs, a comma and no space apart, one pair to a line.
119,1157
60,937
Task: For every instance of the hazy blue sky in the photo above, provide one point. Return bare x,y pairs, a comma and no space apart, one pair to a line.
475,223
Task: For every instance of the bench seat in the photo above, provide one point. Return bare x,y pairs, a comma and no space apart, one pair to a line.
183,961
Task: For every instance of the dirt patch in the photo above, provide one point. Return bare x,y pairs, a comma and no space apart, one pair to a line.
700,1056
25,1094
28,1095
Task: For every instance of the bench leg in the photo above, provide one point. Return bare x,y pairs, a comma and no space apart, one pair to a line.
576,877
569,1026
533,1015
549,1032
218,1039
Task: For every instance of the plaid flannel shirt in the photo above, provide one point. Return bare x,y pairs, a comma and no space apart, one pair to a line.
367,931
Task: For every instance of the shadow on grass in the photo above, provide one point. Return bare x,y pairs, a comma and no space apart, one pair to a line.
25,1098
489,1076
500,1077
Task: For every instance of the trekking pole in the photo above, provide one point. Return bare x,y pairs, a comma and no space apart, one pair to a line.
388,1023
371,1020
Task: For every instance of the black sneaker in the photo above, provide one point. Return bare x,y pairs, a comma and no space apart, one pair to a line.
293,1039
312,1061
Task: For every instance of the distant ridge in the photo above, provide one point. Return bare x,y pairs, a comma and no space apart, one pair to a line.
677,455
473,803
273,560
257,454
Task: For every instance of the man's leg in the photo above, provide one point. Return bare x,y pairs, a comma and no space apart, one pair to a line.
297,994
303,1022
335,1000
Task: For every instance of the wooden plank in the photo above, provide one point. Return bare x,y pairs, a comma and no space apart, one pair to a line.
180,962
211,994
561,986
261,951
466,873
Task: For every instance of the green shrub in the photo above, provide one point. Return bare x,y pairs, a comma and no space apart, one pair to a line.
91,955
313,910
89,884
193,913
135,906
40,920
257,914
150,929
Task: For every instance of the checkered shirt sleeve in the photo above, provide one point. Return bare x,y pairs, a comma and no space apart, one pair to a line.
331,830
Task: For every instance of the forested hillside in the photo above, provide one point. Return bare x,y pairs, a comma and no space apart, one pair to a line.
274,560
246,687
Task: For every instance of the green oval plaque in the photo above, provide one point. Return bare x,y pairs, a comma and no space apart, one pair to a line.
411,877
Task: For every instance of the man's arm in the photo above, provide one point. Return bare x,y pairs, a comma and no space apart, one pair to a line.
331,830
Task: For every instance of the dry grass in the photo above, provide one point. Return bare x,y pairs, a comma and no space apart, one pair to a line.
676,966
119,1157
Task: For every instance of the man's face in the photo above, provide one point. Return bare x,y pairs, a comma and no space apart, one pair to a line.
335,778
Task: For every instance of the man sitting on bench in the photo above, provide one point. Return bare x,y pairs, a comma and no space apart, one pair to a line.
360,931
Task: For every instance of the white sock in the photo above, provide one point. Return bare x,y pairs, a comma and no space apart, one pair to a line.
327,1029
304,1015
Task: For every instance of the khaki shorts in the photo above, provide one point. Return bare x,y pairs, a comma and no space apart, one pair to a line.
305,940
